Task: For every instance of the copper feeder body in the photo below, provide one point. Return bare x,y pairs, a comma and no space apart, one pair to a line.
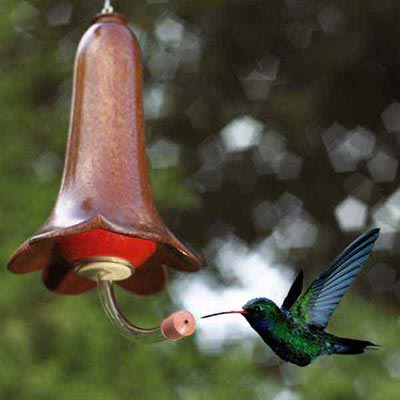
105,186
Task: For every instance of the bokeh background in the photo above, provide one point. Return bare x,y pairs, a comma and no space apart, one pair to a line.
273,136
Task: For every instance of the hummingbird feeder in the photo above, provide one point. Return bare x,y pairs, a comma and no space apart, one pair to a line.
104,227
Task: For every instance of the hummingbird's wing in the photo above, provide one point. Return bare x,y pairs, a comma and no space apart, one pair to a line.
294,292
320,300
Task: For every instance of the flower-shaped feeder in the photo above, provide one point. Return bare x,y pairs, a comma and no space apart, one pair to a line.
104,227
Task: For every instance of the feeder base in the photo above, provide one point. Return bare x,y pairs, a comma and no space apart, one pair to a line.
104,269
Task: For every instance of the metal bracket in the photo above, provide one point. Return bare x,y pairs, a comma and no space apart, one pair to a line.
104,269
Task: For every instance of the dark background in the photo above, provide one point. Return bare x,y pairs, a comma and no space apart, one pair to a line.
273,135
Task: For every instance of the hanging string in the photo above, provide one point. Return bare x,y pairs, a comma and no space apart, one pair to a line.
108,8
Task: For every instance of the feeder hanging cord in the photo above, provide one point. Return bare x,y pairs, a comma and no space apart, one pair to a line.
108,8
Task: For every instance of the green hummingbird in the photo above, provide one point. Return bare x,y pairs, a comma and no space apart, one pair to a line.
296,331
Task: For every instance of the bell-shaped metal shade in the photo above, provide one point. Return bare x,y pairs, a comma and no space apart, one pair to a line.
105,189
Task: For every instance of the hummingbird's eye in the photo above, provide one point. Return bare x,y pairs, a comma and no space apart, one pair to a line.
257,309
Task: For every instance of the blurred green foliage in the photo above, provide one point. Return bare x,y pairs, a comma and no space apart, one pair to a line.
54,347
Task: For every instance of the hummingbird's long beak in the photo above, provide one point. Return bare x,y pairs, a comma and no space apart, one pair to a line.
243,312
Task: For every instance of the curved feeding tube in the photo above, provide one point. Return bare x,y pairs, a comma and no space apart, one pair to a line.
174,327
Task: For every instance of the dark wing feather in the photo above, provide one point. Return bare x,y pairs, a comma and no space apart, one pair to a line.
318,303
294,292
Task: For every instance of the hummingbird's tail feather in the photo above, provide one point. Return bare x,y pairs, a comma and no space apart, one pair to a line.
352,346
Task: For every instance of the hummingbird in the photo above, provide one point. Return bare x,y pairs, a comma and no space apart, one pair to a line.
296,331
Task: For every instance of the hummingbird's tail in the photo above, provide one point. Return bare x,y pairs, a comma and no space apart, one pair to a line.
351,346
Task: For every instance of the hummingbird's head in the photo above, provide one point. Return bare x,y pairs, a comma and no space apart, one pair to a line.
259,308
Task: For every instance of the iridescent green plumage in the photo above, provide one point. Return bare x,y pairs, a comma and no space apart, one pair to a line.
296,331
292,340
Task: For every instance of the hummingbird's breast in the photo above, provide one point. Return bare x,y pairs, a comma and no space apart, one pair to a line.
291,341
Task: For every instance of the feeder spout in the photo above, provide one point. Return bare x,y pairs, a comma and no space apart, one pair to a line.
174,327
